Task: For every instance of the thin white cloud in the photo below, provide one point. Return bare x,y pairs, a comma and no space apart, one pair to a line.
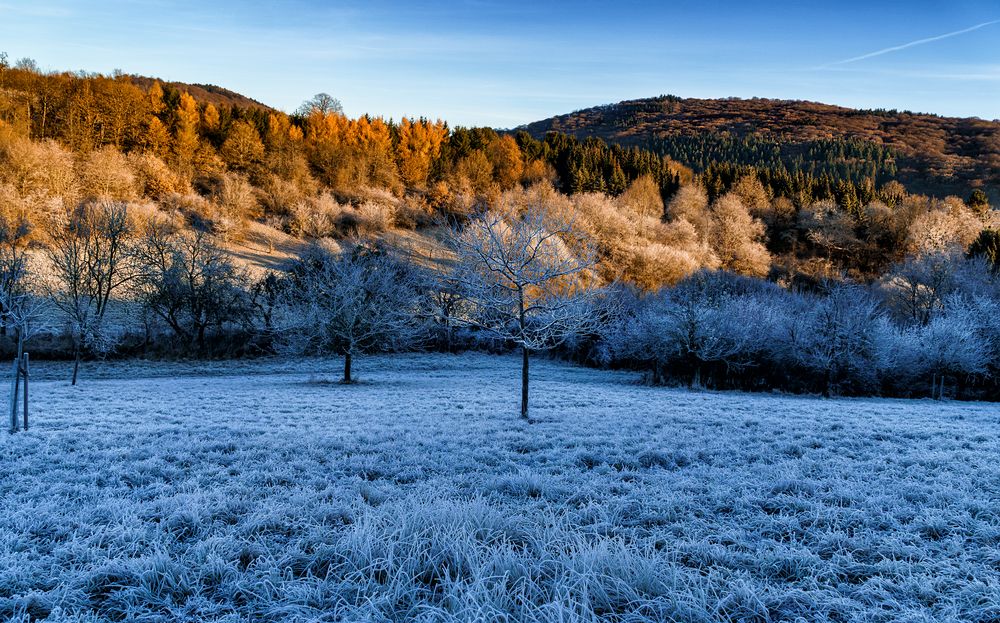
958,73
911,44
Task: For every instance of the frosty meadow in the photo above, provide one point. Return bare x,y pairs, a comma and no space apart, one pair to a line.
263,490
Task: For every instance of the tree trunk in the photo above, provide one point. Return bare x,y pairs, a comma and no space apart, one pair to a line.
76,365
347,368
524,354
24,372
524,382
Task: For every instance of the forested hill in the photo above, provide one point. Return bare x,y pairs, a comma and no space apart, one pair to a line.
203,93
929,154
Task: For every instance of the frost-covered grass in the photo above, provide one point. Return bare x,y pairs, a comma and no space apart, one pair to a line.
261,491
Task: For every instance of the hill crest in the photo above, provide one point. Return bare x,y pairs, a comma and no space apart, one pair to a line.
934,154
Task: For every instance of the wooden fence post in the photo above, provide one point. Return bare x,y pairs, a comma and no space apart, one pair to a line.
25,372
13,396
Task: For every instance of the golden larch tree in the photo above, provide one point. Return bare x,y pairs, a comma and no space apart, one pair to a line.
419,145
186,134
210,118
505,156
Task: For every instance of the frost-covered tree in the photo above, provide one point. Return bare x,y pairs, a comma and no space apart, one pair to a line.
106,174
690,203
189,283
839,337
754,196
916,288
828,227
945,225
643,197
641,334
348,303
524,277
954,343
710,321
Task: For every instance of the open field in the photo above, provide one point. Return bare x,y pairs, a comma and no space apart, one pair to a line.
261,491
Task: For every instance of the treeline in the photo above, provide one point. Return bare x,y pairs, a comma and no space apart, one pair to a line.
849,159
120,281
117,280
930,328
927,153
593,165
84,112
68,138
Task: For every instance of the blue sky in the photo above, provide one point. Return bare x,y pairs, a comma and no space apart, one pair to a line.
500,63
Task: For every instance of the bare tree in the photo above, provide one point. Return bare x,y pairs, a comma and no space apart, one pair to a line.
524,282
22,310
15,232
190,284
442,305
92,259
838,336
360,300
321,102
710,323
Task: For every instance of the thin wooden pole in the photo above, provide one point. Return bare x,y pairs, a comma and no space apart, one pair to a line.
13,397
25,372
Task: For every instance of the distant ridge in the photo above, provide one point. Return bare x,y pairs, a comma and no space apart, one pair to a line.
205,93
935,155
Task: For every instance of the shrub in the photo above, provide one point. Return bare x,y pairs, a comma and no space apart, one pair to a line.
37,168
375,218
153,178
106,174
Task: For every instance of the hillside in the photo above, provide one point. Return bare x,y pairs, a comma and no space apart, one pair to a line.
930,154
204,93
264,183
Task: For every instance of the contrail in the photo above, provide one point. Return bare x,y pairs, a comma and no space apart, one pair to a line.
911,44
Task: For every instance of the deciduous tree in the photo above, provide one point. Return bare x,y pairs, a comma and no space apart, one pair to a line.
357,301
524,277
91,256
